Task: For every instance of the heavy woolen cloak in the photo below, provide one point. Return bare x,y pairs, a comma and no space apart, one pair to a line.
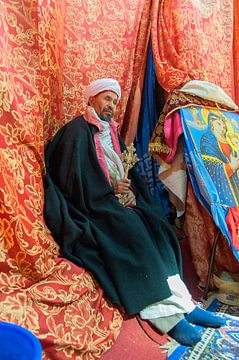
131,252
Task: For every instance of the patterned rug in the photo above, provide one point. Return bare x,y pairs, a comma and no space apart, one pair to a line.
222,343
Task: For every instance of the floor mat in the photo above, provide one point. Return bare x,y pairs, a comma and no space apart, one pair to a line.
222,343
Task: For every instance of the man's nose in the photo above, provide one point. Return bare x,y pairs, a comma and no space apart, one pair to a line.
111,105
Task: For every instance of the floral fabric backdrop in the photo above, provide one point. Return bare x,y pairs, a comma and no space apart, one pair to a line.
49,51
193,40
235,49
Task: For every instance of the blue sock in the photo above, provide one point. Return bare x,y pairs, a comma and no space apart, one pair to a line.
205,318
185,334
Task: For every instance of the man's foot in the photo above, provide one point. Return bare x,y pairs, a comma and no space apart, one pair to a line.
185,334
205,318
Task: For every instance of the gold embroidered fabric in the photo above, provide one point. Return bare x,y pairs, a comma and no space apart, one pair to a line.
236,48
49,51
193,40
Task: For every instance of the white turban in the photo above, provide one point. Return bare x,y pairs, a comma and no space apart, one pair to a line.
101,85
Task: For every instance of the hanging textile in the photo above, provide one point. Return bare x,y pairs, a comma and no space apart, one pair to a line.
75,43
149,112
165,146
50,50
211,140
236,49
130,121
192,40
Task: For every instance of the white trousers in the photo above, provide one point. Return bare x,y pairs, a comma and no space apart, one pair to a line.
169,312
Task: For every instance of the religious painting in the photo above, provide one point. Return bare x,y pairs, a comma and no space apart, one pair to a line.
211,150
215,134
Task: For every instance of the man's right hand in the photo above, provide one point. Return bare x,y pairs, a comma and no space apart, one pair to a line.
122,186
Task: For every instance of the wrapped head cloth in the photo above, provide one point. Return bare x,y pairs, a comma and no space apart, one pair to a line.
100,85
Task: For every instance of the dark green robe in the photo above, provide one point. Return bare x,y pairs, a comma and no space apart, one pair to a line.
131,252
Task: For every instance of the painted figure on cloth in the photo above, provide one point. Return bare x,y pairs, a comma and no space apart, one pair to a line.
233,139
130,248
221,160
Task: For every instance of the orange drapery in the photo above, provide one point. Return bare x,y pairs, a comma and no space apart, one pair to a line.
194,40
83,41
236,49
49,51
129,127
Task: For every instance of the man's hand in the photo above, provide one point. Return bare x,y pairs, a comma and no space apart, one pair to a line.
131,200
122,186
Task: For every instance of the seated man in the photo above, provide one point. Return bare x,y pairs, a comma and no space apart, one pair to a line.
131,249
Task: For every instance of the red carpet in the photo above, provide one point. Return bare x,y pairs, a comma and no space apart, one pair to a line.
134,344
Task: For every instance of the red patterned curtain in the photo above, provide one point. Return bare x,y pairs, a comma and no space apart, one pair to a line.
236,49
194,40
129,127
49,51
83,41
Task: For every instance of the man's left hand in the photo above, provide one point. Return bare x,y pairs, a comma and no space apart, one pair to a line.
131,200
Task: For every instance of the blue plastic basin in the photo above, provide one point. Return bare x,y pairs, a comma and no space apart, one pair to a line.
17,343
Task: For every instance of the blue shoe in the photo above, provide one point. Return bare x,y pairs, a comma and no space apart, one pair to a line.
205,318
185,334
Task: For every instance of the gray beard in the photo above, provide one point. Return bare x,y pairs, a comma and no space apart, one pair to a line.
107,119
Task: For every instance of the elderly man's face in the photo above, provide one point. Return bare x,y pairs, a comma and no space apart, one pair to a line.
104,104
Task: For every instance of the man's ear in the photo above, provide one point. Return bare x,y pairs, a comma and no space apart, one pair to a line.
91,100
